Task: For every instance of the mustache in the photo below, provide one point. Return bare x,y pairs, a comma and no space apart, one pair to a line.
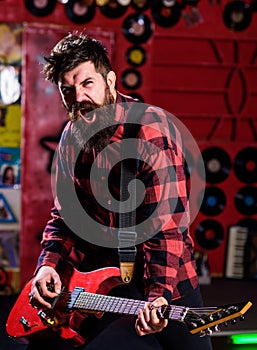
82,107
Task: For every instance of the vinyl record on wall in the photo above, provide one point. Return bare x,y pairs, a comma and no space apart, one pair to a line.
166,13
237,15
213,202
80,11
40,8
209,234
137,28
131,79
217,164
136,55
246,200
245,165
113,9
140,5
249,223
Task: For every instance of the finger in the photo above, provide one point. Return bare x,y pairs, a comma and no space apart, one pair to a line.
37,301
147,318
57,284
140,329
146,312
44,290
49,287
158,302
54,284
155,321
154,318
142,325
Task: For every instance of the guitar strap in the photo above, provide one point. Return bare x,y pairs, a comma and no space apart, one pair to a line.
127,217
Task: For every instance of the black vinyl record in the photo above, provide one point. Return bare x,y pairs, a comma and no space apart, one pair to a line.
137,28
113,9
79,12
136,56
217,164
213,201
131,79
209,234
246,200
237,15
245,165
249,223
40,8
140,5
165,16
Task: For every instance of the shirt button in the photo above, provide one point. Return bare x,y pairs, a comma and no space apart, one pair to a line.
103,178
109,202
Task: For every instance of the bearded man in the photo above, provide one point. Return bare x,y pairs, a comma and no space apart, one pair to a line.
83,227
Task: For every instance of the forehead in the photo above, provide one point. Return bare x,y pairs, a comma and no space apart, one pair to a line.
81,72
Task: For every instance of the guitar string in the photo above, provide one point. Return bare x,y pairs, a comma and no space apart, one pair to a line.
88,295
120,302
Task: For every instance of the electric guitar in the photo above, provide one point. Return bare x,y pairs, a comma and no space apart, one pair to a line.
87,293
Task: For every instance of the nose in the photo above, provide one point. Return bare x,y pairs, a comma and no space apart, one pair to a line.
80,94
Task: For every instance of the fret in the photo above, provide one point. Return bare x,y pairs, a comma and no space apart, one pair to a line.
109,304
123,307
117,305
173,312
137,305
130,303
133,306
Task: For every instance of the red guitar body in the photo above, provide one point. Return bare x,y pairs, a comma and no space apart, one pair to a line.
24,321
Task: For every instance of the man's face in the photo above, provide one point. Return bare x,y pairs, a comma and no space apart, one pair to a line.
83,90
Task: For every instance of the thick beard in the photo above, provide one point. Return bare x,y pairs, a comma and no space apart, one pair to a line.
104,118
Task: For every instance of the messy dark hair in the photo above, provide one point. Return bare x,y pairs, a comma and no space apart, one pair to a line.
72,50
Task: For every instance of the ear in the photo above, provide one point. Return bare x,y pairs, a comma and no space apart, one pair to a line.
111,81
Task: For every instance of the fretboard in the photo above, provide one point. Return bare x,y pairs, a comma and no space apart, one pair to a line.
81,300
106,303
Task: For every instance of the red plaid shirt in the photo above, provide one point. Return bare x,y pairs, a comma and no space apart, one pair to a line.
164,262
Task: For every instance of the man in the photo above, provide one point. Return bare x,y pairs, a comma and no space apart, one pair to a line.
164,269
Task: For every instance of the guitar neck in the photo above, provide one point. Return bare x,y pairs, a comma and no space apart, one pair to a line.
105,303
84,301
196,319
